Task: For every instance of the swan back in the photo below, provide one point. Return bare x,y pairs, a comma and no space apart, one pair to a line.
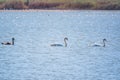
6,43
96,45
57,45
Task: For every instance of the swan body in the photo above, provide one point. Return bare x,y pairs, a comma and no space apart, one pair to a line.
8,43
60,45
97,45
56,45
100,45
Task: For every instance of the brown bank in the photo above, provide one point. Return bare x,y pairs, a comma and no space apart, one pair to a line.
20,4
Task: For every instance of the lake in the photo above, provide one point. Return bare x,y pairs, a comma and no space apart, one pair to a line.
32,57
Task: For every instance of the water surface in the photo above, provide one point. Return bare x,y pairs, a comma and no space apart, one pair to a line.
32,57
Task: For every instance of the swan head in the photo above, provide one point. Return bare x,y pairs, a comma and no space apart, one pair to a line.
104,39
65,38
13,38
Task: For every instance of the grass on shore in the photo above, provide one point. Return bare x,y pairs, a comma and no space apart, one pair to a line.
60,4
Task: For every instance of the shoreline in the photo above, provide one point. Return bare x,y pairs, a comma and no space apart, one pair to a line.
40,10
38,5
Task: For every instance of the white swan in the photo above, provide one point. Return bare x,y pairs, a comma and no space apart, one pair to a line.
100,45
8,43
65,39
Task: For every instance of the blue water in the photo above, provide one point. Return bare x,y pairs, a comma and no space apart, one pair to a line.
32,57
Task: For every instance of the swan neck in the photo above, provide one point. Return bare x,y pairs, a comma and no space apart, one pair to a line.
65,42
103,43
12,41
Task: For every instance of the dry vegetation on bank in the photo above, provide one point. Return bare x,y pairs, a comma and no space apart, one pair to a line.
60,4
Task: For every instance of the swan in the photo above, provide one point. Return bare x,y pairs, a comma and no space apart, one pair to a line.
65,39
100,45
8,43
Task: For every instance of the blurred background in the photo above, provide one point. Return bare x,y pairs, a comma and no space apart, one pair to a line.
61,4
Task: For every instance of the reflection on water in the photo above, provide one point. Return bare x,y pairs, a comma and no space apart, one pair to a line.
32,57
